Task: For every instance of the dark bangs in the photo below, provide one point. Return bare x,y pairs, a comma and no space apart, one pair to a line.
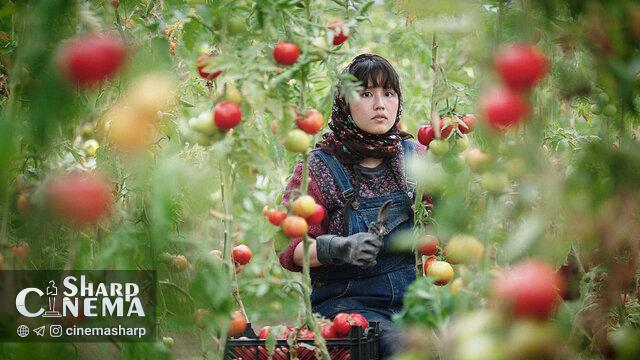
375,71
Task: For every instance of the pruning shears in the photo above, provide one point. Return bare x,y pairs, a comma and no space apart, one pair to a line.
377,226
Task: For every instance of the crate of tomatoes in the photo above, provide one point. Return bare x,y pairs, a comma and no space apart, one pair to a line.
348,337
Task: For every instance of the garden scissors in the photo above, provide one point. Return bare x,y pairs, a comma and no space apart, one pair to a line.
377,226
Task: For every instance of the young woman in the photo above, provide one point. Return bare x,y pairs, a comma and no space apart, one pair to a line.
352,172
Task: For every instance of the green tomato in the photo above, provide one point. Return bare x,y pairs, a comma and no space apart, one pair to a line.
461,144
515,168
609,110
236,26
439,147
494,182
596,109
297,141
625,342
453,164
602,98
203,124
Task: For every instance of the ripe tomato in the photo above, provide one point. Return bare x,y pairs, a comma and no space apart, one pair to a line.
312,123
328,332
294,226
264,332
276,217
336,26
430,260
531,289
359,320
441,271
226,115
428,245
502,107
470,121
201,63
178,263
297,141
286,53
342,323
238,324
304,206
317,216
242,254
79,198
447,125
21,252
92,58
426,134
520,65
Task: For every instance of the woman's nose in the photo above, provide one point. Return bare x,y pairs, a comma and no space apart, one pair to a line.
378,103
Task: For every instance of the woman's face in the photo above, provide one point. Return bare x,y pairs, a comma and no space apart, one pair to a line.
375,109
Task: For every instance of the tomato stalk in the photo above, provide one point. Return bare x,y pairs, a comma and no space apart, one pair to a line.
435,119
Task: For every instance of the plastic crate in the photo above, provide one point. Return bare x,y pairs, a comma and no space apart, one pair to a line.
359,345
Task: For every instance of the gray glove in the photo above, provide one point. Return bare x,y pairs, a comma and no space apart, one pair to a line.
359,249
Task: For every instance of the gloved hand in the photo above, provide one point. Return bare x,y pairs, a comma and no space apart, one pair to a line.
359,249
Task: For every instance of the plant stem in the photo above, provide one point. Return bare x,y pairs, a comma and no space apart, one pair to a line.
435,119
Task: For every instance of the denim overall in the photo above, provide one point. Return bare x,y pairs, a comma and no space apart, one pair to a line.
375,292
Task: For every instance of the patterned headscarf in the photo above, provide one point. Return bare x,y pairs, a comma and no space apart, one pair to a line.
347,141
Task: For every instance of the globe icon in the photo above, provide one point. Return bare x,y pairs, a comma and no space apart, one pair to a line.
23,331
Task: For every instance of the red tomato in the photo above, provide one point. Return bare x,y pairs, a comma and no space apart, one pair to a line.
342,323
79,198
317,217
21,252
447,125
312,123
238,324
428,245
92,58
531,288
337,27
226,115
426,134
286,53
359,320
264,332
294,226
502,107
328,332
242,254
276,217
520,65
430,260
202,63
470,121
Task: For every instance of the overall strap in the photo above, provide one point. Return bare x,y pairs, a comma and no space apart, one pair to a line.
408,150
349,192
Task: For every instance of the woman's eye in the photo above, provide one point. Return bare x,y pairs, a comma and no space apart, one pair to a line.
390,93
366,94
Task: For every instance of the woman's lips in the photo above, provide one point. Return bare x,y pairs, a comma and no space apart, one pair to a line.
379,118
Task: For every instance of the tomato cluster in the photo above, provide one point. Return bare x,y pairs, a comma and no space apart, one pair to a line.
304,212
520,66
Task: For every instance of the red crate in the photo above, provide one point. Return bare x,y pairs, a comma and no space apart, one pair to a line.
359,345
